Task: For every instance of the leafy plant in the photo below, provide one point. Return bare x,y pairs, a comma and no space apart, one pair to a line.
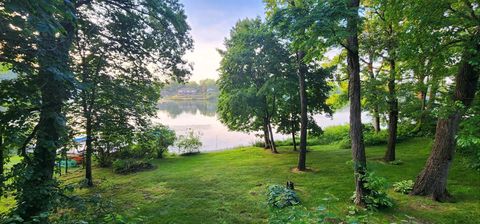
281,197
125,166
322,214
189,144
404,186
376,196
155,141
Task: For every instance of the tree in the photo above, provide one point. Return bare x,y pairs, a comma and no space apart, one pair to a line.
286,17
55,25
39,43
118,61
251,65
460,31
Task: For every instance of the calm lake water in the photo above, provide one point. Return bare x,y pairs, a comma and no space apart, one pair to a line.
200,116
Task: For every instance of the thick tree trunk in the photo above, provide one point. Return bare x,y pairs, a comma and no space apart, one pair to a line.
34,197
392,115
356,134
35,194
302,71
432,181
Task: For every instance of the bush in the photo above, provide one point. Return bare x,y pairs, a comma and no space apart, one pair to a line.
376,196
126,166
371,138
334,134
149,143
322,214
189,144
403,187
281,197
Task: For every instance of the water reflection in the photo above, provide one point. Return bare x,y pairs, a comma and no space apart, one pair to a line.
200,116
175,108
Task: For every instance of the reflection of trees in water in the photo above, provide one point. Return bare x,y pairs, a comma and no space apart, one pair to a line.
177,107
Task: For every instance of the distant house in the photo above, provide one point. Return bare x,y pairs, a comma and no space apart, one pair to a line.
187,91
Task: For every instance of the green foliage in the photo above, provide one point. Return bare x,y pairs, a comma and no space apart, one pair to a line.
189,144
321,214
404,186
126,166
468,138
281,197
153,142
375,196
252,71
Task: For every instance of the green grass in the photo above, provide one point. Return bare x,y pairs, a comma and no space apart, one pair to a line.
229,186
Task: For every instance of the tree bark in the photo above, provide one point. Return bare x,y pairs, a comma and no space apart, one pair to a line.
89,151
302,71
272,140
294,141
356,134
376,120
432,180
392,115
35,194
266,134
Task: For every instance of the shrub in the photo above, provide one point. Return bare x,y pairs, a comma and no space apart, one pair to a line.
156,140
281,197
150,143
403,187
344,144
335,134
376,196
322,214
189,144
371,138
126,166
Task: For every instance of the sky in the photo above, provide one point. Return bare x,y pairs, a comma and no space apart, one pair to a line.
211,21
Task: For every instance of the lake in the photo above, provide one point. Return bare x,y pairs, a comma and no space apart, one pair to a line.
201,117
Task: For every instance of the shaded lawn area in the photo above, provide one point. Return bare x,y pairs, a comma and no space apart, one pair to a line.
229,186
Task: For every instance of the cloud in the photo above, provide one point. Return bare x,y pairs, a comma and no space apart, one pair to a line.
211,21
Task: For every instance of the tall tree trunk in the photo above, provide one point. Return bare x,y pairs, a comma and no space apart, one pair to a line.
432,181
356,133
392,115
376,115
293,132
266,134
376,120
89,150
35,194
302,71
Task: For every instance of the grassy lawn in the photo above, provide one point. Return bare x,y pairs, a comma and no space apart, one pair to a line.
229,187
